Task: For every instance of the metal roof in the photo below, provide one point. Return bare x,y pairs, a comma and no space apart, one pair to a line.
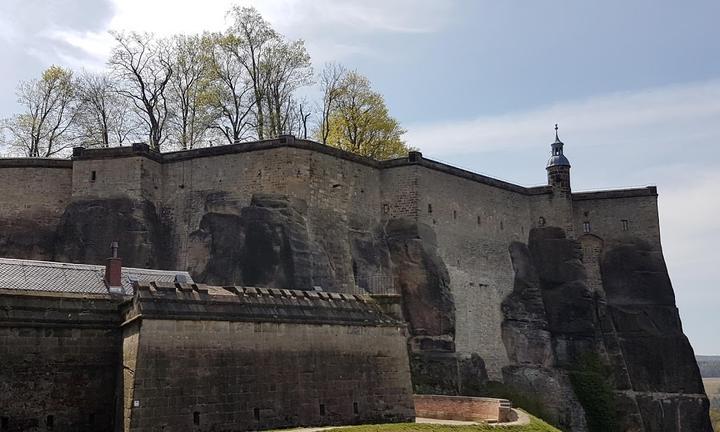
74,278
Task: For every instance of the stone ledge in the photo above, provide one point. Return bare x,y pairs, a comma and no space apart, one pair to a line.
649,191
35,163
463,408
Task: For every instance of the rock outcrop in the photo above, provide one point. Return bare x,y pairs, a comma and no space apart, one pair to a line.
266,245
609,359
88,227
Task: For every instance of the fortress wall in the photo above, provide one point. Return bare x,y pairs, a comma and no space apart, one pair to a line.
400,192
335,190
220,375
37,193
114,178
34,196
605,216
555,209
59,360
475,224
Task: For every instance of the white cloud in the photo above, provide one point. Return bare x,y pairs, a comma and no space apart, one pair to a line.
638,117
333,29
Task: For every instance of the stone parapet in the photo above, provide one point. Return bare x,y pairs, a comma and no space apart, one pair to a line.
234,303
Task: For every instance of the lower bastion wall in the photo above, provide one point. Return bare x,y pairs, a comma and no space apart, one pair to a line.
234,359
250,376
60,356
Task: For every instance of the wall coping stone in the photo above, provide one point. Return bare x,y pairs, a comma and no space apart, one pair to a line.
35,163
414,158
158,300
648,191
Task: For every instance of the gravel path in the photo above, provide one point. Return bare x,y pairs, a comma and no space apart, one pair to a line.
522,419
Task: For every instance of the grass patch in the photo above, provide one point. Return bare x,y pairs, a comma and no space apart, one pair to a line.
536,425
715,418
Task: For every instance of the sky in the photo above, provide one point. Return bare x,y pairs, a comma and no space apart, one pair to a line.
634,86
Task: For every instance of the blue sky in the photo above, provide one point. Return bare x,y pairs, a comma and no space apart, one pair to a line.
634,85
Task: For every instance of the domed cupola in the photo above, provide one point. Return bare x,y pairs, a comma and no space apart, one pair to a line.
557,159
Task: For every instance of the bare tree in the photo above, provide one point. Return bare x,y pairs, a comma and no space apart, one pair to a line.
331,81
45,127
230,91
188,89
248,39
304,116
104,116
143,66
286,68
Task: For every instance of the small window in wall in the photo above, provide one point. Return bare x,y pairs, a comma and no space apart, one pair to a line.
586,227
625,225
502,226
541,221
429,208
454,214
478,220
322,409
256,413
356,409
91,419
50,421
196,418
93,176
4,423
386,208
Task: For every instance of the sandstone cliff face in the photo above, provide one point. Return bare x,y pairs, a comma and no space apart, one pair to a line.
569,325
610,359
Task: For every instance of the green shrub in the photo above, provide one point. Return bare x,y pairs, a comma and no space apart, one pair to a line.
589,378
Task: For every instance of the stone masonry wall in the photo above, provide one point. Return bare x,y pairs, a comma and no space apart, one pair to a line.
474,224
234,376
336,191
59,361
606,214
34,196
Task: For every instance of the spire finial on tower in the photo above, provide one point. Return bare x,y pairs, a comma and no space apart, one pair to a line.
557,158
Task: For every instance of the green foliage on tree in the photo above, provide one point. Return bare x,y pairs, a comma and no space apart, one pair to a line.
44,127
359,121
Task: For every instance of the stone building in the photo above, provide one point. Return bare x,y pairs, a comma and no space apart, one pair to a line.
498,282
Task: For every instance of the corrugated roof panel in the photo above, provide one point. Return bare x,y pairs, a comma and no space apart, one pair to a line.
75,278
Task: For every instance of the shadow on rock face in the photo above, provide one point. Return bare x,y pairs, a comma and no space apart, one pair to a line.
88,227
641,305
611,359
549,310
26,239
422,277
267,245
